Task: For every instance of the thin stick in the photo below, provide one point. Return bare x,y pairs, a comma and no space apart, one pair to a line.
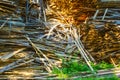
38,51
4,23
80,48
105,14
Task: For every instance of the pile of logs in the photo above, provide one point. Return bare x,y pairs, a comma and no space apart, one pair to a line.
21,52
38,48
35,47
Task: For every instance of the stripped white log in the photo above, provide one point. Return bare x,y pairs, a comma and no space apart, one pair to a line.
4,24
105,14
95,15
39,52
15,23
9,55
80,48
13,65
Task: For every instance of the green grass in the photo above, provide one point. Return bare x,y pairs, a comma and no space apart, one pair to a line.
69,68
99,78
102,65
72,68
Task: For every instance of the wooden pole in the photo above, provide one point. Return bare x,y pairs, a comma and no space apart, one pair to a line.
27,9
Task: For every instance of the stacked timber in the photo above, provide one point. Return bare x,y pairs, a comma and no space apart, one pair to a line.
109,4
33,52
